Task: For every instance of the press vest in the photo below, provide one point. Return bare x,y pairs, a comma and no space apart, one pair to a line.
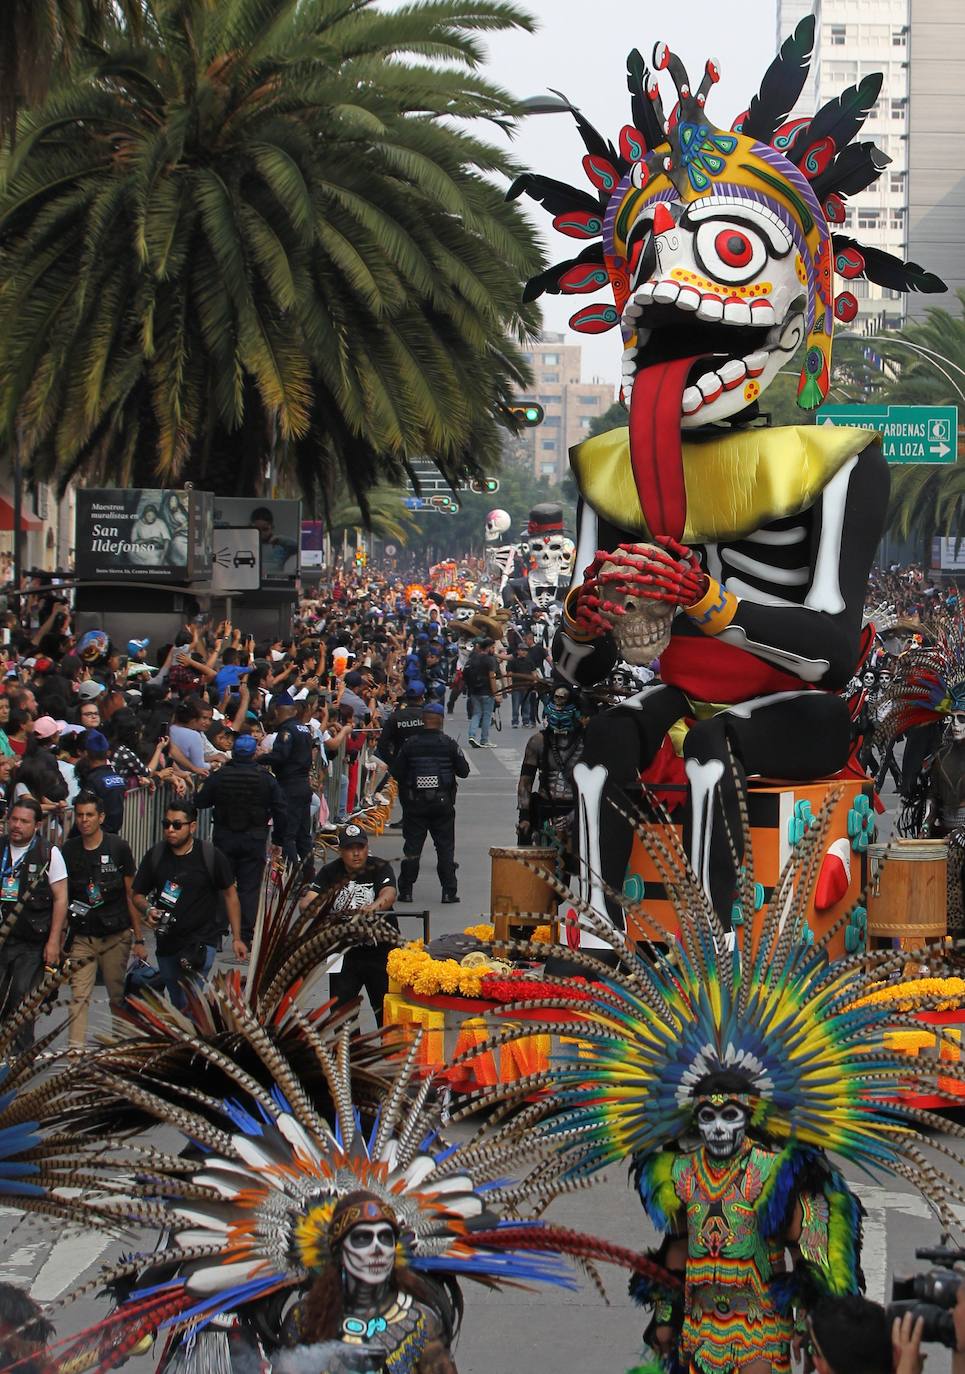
36,913
242,798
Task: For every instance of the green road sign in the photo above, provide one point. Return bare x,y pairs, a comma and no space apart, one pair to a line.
910,434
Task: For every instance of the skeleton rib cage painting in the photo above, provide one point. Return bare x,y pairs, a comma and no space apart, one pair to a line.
738,552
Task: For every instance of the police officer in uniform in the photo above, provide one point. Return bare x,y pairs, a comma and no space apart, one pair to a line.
426,769
245,798
400,724
291,760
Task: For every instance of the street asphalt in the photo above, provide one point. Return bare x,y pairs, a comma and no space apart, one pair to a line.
520,1331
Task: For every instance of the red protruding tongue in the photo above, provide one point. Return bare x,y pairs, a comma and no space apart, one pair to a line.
655,451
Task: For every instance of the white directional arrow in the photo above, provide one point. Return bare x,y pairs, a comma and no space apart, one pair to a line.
940,449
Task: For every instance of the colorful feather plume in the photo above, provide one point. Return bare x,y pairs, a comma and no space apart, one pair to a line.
841,118
928,681
816,1057
282,1109
886,270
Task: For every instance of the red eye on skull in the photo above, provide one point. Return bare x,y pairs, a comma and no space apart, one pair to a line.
734,248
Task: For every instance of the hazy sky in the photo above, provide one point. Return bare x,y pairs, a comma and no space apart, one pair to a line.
581,49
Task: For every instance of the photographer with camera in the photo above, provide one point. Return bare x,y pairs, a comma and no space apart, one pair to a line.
935,1301
183,877
103,918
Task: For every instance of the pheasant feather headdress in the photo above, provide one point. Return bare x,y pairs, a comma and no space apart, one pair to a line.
816,1043
929,680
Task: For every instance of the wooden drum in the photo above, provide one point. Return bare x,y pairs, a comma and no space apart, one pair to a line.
908,894
516,889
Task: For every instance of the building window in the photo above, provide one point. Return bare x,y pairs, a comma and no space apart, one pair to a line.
896,220
898,109
551,376
551,420
839,33
868,219
898,39
588,401
526,357
861,289
550,359
549,444
897,183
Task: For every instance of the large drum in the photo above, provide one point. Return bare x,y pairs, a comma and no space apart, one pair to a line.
907,893
517,889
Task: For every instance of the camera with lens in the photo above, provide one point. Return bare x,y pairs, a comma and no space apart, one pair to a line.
931,1296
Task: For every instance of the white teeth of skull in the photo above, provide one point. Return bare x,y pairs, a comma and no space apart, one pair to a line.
665,292
710,386
756,363
633,311
732,373
689,299
691,400
644,293
710,308
762,312
737,312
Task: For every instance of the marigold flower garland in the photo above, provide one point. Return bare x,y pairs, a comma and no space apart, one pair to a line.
949,992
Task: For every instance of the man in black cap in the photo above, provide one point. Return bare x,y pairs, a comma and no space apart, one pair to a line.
400,724
356,881
103,780
245,798
291,759
426,768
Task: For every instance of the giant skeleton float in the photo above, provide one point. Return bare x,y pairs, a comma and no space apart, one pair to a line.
725,1045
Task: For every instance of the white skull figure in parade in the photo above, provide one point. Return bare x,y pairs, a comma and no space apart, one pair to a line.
642,632
497,524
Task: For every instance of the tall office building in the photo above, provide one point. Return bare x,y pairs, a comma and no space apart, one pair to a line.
853,38
570,405
936,157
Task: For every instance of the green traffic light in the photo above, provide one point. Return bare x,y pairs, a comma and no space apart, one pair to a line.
533,414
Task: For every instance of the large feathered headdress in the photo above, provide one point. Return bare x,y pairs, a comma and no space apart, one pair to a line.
929,680
282,1112
815,1043
806,168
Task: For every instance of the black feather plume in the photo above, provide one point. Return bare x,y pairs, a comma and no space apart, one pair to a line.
884,269
593,140
548,281
641,106
855,167
556,196
782,84
840,119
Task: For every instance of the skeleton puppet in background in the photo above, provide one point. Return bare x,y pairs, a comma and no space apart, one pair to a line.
719,250
548,556
500,556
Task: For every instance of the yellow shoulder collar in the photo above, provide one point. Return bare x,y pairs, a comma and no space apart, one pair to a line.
734,484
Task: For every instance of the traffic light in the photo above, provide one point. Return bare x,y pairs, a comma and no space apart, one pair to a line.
485,486
526,413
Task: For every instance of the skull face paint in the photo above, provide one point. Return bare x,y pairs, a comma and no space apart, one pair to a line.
643,631
722,1126
956,726
368,1253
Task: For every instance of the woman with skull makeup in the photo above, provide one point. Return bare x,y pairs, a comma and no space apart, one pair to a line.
755,544
367,1312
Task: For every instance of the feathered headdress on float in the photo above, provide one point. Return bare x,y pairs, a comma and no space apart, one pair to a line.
929,680
283,1113
814,1043
799,173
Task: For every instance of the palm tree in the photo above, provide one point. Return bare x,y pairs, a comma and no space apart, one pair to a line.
39,38
258,228
386,515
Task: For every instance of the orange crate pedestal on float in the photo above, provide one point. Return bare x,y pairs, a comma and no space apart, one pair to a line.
779,815
453,1025
951,1091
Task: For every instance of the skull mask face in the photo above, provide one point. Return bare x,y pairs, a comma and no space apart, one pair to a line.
643,631
497,523
547,554
722,1126
956,726
368,1253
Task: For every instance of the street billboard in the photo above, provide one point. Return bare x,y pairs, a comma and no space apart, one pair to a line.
144,533
279,524
313,543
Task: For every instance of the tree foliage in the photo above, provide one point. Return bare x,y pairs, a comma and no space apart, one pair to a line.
265,227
